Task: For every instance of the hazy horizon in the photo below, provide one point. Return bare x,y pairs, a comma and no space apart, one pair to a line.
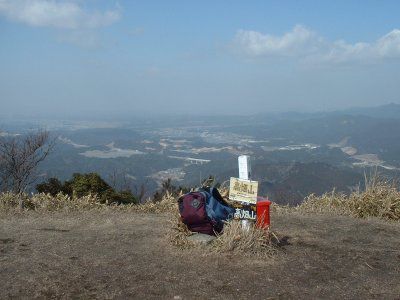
85,58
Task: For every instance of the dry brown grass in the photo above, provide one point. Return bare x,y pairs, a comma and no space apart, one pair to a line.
380,199
10,203
233,239
179,232
168,203
248,242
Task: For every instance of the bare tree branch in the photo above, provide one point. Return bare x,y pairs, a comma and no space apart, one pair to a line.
20,157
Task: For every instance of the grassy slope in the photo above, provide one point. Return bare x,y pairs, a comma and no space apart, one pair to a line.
107,253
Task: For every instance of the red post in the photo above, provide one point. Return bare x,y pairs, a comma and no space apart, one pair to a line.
263,217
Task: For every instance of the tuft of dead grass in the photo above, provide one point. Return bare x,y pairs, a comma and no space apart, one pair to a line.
232,240
168,203
248,242
380,199
179,232
10,203
332,202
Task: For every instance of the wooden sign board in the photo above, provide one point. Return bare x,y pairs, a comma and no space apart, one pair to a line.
243,190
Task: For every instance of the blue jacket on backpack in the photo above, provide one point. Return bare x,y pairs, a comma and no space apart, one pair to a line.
216,209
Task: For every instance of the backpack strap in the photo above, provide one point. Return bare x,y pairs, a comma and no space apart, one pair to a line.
215,193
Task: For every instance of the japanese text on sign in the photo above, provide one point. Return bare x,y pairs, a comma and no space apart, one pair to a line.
243,190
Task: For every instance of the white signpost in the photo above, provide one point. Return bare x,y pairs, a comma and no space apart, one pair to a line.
244,167
244,191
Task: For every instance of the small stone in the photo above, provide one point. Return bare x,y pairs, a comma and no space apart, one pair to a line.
201,238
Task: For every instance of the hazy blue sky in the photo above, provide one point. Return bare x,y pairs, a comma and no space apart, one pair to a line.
197,56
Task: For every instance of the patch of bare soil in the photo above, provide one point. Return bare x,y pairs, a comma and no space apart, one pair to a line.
111,254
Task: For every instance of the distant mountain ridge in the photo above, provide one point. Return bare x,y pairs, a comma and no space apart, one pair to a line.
293,154
296,181
387,111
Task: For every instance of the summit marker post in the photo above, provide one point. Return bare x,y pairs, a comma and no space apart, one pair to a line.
244,167
243,191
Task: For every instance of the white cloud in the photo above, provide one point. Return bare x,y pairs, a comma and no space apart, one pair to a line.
306,45
293,43
389,45
57,14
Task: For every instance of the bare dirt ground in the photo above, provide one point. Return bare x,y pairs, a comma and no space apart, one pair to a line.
126,255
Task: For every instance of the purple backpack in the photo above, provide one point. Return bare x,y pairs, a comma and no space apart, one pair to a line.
192,207
204,211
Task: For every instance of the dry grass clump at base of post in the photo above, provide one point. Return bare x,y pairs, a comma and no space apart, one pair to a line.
253,241
232,240
380,199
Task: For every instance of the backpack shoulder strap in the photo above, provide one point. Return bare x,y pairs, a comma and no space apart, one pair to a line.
216,194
